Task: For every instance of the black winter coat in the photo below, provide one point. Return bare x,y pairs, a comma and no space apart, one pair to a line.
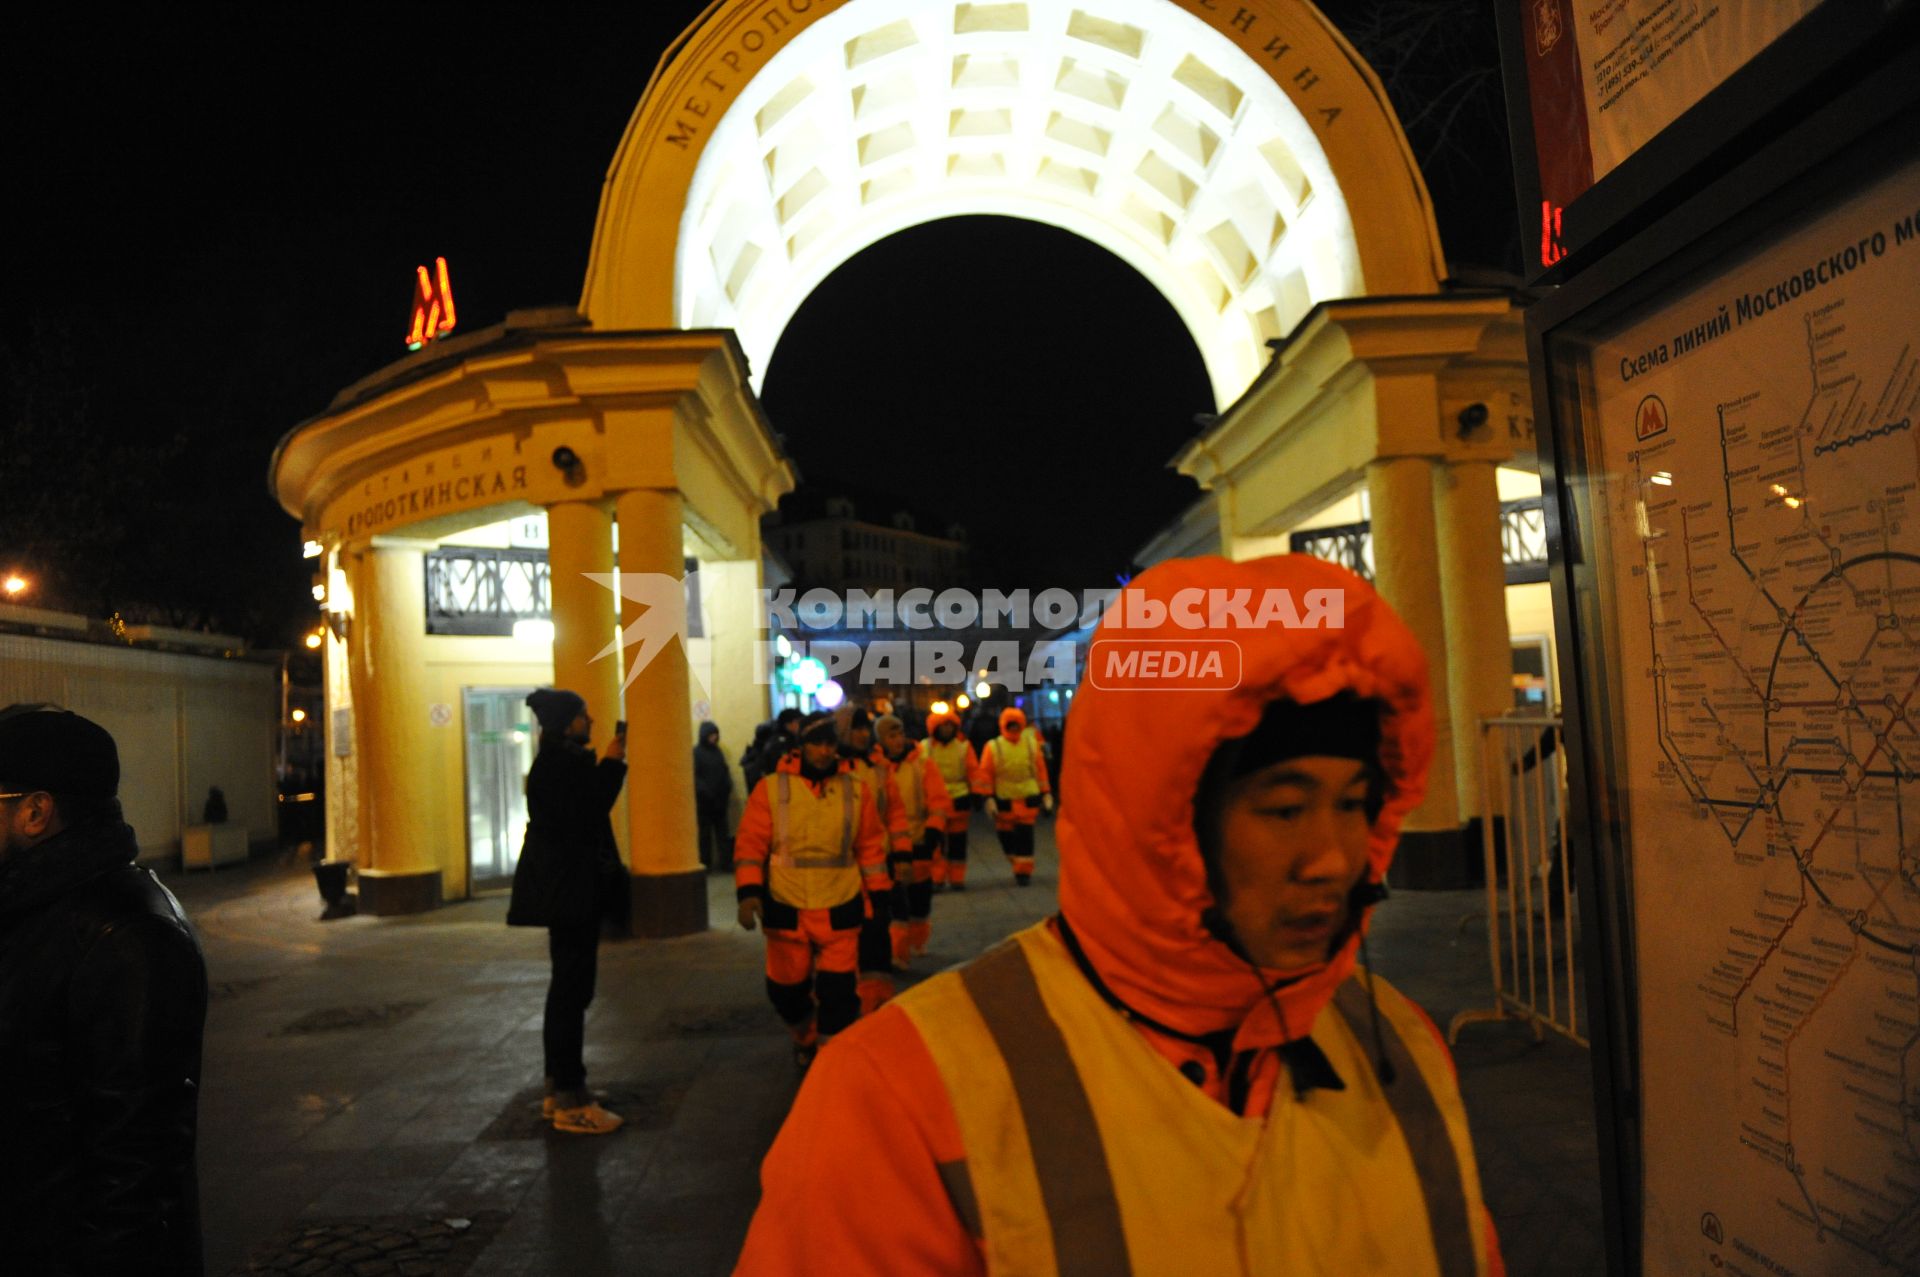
569,853
103,998
712,778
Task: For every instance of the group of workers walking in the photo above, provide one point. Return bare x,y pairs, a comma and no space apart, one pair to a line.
843,845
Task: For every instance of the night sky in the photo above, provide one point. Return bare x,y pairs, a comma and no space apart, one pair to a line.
213,225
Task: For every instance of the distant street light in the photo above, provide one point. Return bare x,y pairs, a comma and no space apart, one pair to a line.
314,640
298,716
16,585
983,690
962,701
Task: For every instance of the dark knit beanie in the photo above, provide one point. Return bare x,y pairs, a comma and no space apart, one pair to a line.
1342,726
819,727
46,748
555,708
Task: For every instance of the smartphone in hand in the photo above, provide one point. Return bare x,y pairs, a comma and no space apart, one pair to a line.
620,728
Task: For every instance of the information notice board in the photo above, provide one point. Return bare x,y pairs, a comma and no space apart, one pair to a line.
1748,510
1605,77
1617,108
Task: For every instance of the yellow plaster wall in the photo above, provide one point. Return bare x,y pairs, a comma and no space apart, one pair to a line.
454,662
1529,614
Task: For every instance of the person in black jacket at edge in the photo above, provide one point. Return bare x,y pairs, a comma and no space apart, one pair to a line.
712,789
563,883
103,997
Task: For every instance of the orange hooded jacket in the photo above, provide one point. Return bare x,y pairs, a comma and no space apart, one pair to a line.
753,840
1134,889
987,773
959,735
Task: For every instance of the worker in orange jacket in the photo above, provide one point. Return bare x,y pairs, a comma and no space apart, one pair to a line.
1186,1070
861,756
810,860
952,753
1013,773
916,783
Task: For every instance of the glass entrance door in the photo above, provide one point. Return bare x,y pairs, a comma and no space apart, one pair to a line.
500,743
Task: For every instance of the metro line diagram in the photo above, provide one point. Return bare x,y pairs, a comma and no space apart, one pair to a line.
1783,615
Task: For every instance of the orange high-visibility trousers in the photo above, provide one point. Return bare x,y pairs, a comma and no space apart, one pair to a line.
913,908
950,852
1013,820
813,960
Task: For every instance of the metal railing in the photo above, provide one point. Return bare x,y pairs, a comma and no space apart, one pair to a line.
1350,545
1523,543
1531,925
474,590
1523,540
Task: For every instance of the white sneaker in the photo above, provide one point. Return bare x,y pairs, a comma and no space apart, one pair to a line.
588,1119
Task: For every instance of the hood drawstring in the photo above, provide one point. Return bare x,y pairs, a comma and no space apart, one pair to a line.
1219,1043
1365,896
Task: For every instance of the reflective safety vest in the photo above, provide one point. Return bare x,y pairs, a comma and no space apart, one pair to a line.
812,865
909,778
952,759
1013,770
1088,1152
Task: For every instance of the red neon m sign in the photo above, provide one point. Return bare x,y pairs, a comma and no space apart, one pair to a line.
432,305
1551,250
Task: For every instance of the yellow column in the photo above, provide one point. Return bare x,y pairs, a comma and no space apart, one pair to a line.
669,887
402,815
579,543
737,691
1473,582
1407,572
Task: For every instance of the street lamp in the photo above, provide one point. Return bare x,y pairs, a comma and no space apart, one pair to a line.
983,690
298,716
314,641
16,585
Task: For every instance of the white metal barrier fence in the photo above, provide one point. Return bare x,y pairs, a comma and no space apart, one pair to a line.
1531,922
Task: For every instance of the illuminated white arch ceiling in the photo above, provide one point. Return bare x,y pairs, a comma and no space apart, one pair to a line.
1129,122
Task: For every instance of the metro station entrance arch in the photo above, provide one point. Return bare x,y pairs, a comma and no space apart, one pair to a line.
1221,149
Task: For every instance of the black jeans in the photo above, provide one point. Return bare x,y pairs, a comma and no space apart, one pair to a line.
575,951
716,843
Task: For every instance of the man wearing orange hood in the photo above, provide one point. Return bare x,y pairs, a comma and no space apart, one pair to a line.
953,754
1013,772
1184,1071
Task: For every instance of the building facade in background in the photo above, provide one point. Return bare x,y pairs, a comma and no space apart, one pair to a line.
190,712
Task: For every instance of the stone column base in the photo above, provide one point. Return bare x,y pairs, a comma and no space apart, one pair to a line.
394,893
669,904
1433,860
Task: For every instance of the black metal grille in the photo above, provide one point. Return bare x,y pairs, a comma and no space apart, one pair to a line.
1349,544
1523,540
472,590
1523,543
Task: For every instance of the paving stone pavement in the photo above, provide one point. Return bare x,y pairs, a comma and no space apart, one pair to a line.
383,1074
